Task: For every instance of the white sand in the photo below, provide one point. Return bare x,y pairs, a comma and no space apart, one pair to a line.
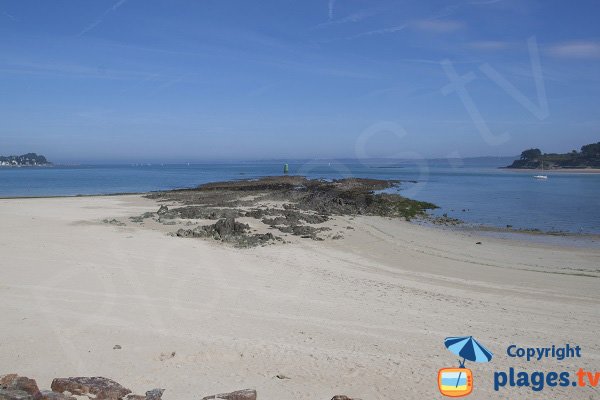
364,316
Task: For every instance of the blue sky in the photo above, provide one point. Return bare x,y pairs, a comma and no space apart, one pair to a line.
149,80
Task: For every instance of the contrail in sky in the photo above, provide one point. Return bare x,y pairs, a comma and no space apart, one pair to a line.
331,6
101,18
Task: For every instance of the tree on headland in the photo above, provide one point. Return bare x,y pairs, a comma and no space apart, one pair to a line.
591,150
531,154
30,159
588,157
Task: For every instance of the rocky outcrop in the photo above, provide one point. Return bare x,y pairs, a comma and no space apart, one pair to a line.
98,387
247,394
12,394
15,387
162,210
154,394
15,382
230,231
290,204
50,395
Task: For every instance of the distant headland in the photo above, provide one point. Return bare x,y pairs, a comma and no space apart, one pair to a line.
25,160
588,157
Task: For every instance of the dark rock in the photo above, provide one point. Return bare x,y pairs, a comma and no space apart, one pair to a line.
201,212
257,213
113,222
7,379
305,202
16,382
101,388
154,394
166,356
222,229
185,232
117,347
478,243
142,217
230,226
162,210
342,397
338,197
48,395
275,221
291,218
230,231
307,231
13,394
247,394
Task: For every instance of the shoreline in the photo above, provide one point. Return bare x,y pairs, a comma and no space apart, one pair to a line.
563,239
426,220
69,196
573,171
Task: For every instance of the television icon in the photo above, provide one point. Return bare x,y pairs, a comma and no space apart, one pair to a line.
455,382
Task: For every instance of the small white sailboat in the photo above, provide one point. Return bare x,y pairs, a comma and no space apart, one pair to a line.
541,176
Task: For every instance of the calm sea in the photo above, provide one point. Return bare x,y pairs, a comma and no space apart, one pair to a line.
474,190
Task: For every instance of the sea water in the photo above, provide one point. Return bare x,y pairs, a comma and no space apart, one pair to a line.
474,190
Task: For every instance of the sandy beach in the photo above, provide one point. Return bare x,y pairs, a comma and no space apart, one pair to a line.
364,316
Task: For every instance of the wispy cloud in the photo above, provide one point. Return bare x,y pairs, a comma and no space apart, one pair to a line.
72,71
97,22
485,2
438,25
489,45
355,17
428,25
583,49
9,16
331,8
383,31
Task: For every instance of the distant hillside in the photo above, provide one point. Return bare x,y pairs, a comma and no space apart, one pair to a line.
588,157
29,159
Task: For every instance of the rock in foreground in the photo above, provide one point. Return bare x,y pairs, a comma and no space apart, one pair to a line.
154,394
12,394
247,394
15,387
14,382
98,387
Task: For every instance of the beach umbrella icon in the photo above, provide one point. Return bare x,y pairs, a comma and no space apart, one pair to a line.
469,349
